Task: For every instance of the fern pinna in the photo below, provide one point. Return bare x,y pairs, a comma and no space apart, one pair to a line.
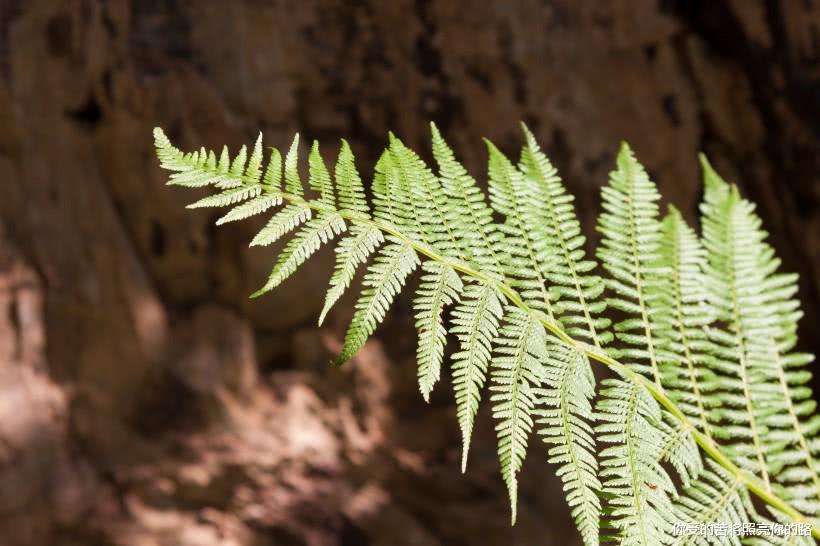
709,404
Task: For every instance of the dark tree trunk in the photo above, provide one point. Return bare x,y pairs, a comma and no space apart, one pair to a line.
145,400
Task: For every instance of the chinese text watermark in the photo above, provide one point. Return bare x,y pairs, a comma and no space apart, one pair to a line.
719,529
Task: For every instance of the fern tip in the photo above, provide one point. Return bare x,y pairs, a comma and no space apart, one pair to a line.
624,148
260,292
704,161
160,139
527,133
492,148
339,361
712,181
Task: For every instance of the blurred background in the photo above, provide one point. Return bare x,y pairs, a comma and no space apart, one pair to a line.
144,400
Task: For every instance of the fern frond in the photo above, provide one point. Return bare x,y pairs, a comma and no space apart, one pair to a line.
477,317
307,241
384,279
391,198
575,289
253,171
716,497
282,223
685,374
638,486
194,169
529,240
440,287
349,184
475,324
768,410
482,242
272,181
629,251
227,197
434,221
236,170
529,260
517,369
250,208
574,294
563,410
530,274
318,177
432,217
732,258
293,182
351,252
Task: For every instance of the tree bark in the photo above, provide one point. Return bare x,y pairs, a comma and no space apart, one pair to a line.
145,400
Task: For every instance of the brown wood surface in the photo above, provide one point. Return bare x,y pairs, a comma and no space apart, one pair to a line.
144,400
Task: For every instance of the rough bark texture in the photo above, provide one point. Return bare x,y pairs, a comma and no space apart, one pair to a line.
145,401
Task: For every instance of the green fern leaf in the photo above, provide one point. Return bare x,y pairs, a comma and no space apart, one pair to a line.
349,184
767,414
237,169
306,242
391,198
254,169
319,179
707,341
629,251
468,212
227,197
631,472
564,408
475,324
383,281
439,287
517,369
282,223
527,263
272,182
686,375
575,290
432,215
725,221
293,182
250,208
351,252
